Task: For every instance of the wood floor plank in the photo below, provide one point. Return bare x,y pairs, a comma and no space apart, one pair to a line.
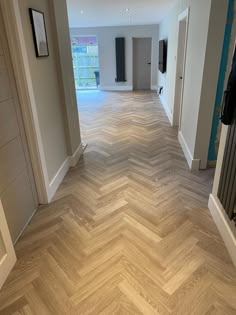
129,231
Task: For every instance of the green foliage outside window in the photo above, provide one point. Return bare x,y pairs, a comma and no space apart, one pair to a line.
85,63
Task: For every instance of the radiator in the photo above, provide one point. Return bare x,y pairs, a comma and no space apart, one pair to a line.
227,187
120,59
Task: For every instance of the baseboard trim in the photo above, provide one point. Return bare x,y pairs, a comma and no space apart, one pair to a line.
211,164
223,226
58,178
194,164
70,161
117,88
154,88
25,226
76,156
166,108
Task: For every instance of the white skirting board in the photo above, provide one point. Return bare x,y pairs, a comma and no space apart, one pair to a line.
223,225
116,88
154,88
122,88
71,161
76,156
166,108
25,226
194,164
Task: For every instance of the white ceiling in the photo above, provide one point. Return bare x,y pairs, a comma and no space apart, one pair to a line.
113,12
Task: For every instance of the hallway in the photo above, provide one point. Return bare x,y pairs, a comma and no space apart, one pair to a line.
129,231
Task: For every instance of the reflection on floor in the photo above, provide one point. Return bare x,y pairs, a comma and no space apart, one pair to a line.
130,232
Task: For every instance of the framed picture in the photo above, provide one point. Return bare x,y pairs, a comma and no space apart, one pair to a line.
39,33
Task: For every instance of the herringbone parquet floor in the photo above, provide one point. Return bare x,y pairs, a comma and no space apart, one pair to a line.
129,231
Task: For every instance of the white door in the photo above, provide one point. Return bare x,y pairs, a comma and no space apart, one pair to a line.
7,253
142,54
180,68
17,187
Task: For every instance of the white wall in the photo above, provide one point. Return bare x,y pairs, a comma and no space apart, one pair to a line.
195,61
46,89
168,29
52,91
207,20
107,57
212,63
66,74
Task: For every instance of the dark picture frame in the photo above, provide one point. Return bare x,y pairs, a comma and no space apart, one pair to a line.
39,33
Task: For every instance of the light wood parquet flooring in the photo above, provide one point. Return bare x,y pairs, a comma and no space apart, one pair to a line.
129,231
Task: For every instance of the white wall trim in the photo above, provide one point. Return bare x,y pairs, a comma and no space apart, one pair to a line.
184,15
25,226
58,178
185,149
194,164
154,88
223,226
177,109
70,161
76,156
166,108
116,88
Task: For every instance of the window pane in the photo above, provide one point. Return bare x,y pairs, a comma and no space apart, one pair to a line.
85,62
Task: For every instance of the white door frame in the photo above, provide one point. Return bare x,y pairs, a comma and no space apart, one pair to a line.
8,260
178,102
17,46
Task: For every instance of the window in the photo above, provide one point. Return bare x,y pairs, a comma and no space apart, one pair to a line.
85,62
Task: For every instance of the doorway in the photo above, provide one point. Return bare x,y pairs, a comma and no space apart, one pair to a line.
142,55
85,62
18,193
180,67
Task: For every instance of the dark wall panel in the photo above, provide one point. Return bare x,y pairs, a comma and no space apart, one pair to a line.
120,59
227,187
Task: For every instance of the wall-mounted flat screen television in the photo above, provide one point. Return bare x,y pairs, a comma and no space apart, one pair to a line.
162,55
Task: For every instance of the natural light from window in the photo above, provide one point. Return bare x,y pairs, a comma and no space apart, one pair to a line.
85,62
